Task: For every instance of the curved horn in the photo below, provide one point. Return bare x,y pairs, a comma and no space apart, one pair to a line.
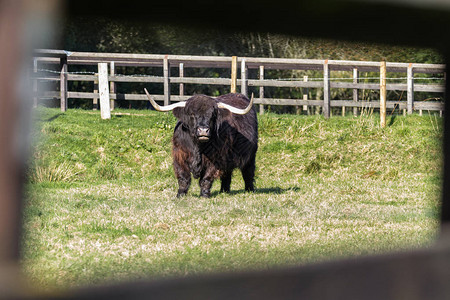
166,107
235,110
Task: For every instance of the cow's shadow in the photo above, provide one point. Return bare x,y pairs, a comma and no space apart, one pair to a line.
268,190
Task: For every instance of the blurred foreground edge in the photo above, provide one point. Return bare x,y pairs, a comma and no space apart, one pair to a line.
27,24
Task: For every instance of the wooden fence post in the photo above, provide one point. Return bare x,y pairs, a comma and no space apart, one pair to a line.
355,91
103,88
181,66
166,72
445,80
305,95
233,74
383,93
410,92
261,89
63,82
112,84
326,90
244,81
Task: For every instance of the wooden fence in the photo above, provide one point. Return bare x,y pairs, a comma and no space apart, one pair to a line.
64,59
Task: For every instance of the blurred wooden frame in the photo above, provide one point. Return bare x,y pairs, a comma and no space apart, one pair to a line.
422,274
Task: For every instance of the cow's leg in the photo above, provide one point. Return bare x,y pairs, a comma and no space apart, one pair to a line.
205,187
183,185
225,182
248,173
206,181
182,173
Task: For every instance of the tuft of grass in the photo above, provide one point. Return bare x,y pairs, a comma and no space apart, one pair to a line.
54,172
107,170
313,167
325,189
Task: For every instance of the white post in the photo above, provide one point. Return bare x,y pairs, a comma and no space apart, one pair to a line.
243,77
410,95
103,88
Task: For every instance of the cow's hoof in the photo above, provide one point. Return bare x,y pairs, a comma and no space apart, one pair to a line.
205,194
250,189
179,195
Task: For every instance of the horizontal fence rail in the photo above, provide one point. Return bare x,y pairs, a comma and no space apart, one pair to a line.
53,66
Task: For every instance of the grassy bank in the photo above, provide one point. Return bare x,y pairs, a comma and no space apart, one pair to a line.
102,203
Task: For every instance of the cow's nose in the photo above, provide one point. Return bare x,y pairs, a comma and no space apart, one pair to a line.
203,131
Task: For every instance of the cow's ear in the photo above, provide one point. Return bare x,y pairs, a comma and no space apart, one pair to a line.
178,112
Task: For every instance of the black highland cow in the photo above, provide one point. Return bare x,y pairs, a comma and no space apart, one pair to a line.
213,136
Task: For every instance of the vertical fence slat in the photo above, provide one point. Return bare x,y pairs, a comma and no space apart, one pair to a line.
261,89
233,74
103,88
244,81
181,67
355,91
343,111
95,99
326,90
63,82
383,93
305,95
166,72
410,92
112,84
445,80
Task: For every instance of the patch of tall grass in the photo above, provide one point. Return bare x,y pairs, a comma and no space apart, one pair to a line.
54,172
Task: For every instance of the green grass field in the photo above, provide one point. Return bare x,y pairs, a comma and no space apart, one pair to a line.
101,199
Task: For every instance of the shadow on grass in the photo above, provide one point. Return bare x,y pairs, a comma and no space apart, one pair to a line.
270,190
392,120
53,117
